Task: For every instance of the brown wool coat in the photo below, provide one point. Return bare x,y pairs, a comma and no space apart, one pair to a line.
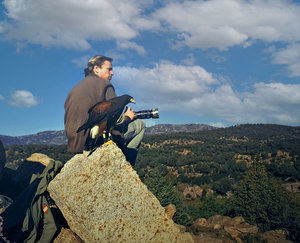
84,95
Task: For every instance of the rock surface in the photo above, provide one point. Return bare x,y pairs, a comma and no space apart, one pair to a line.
170,210
67,236
192,192
40,158
225,229
235,228
103,200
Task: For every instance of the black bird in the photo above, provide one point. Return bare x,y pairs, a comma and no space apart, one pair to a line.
102,119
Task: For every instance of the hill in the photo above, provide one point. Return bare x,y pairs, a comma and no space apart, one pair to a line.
59,137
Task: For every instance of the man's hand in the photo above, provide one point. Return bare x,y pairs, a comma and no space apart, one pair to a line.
130,113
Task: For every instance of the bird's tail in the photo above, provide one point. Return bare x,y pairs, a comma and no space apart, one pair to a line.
92,143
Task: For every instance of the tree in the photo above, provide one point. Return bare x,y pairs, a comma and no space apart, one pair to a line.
262,200
222,186
207,207
165,193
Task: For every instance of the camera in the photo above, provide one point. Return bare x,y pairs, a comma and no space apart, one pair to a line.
146,114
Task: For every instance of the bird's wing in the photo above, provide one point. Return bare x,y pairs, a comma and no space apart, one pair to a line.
101,107
97,113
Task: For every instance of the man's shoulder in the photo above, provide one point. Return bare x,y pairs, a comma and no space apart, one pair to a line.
86,83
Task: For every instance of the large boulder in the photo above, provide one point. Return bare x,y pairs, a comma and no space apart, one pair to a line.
235,228
39,158
192,192
103,200
67,236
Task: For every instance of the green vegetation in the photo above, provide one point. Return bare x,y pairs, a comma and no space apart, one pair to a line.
210,206
15,154
262,200
227,160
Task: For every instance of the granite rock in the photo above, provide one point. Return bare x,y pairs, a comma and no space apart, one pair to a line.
230,228
103,200
170,210
39,158
192,192
67,236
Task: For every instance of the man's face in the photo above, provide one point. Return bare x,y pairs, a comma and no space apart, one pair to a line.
105,72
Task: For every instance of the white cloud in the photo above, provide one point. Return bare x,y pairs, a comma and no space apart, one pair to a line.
72,24
164,83
23,98
1,27
225,23
217,124
150,122
189,60
198,24
216,57
131,45
82,61
289,56
193,90
1,97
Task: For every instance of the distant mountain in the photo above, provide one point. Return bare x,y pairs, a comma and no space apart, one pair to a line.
47,137
59,137
172,128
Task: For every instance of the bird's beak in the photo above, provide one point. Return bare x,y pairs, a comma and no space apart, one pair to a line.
132,100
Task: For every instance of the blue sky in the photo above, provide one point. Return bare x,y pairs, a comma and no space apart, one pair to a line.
217,62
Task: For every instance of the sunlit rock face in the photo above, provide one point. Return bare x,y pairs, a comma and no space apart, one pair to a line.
103,200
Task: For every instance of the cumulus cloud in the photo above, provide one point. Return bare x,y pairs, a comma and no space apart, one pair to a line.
289,56
1,97
131,45
193,90
82,61
222,24
1,28
23,98
166,83
217,124
189,60
198,24
73,24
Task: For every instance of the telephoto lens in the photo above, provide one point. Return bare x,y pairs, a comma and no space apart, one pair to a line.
146,114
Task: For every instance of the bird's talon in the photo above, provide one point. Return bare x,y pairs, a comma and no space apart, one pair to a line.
107,143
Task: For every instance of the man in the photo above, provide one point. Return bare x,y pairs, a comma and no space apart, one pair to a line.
94,88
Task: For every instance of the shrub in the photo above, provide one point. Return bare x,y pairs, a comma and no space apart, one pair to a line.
263,201
210,206
165,193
